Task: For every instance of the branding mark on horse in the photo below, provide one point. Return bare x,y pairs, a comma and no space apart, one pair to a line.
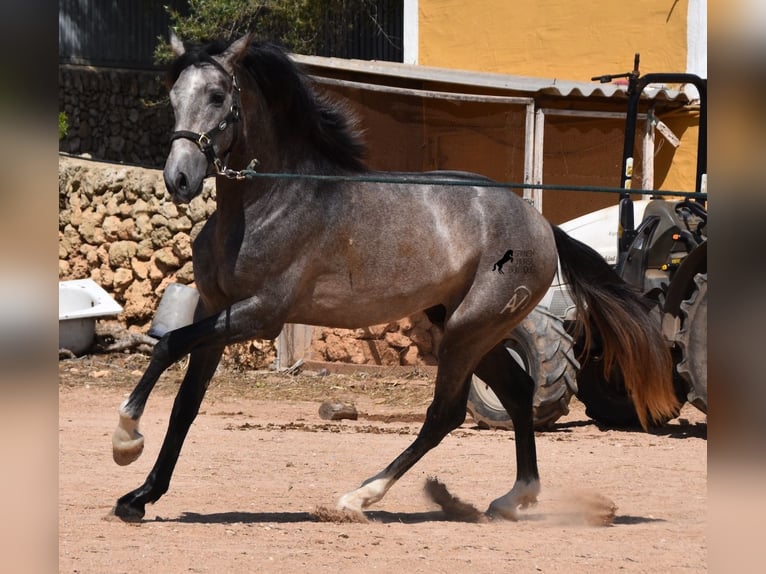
520,296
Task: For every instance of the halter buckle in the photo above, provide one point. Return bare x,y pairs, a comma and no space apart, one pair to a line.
204,142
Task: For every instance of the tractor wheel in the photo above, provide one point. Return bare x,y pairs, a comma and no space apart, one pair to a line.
692,339
543,348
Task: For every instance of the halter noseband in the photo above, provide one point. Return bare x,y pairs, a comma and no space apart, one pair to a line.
205,141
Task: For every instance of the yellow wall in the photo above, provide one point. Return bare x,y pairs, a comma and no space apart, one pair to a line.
553,38
568,40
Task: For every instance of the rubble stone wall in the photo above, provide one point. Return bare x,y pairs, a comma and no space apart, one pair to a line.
118,227
115,114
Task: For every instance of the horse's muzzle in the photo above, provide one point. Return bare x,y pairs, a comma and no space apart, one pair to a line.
181,189
184,172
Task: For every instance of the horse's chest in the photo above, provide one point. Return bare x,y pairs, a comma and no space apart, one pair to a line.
216,256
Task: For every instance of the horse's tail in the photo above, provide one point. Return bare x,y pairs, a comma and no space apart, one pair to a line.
631,339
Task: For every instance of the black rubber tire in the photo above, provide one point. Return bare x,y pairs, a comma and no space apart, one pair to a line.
692,339
542,346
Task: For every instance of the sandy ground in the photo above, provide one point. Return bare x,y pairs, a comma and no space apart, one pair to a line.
259,462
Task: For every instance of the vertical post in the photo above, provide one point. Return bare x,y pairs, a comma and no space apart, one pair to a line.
626,230
634,95
647,169
293,342
529,143
537,173
411,33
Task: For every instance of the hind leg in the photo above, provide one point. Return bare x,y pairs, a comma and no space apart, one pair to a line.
515,390
446,413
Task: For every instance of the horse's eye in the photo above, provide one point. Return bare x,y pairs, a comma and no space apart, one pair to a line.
217,99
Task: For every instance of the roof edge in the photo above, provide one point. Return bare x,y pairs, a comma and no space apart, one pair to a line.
531,86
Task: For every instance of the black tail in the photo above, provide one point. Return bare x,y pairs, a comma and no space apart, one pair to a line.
632,340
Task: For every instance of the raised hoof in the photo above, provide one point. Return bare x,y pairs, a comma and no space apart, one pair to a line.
127,445
128,513
127,453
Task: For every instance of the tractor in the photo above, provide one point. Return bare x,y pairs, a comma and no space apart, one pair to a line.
665,257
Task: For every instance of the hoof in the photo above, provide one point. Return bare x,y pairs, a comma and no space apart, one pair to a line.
371,491
340,516
127,442
495,512
127,451
522,495
349,503
128,513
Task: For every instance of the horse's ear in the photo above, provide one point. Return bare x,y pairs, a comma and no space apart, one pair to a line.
236,51
176,45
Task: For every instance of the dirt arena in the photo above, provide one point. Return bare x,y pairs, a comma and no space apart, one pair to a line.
259,463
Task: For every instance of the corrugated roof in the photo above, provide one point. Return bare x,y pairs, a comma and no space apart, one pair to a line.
525,85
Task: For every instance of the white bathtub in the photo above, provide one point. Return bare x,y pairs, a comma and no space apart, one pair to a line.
81,302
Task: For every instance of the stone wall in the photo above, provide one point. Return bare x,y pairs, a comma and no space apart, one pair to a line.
114,114
118,227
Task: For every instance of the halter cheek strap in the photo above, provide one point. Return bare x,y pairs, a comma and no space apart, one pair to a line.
205,141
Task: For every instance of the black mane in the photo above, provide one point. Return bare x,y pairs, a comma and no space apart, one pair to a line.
288,93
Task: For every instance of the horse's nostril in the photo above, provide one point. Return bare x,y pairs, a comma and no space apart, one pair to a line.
182,183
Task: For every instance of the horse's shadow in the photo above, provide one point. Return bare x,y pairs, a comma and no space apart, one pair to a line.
627,520
676,429
378,516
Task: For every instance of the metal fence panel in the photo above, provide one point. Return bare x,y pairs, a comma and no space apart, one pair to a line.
123,33
364,30
113,33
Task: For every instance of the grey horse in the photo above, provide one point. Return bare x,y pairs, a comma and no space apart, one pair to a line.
310,251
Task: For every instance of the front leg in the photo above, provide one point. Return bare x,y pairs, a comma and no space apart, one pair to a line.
205,340
202,365
127,442
235,324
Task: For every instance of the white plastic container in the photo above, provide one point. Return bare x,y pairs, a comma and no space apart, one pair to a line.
176,309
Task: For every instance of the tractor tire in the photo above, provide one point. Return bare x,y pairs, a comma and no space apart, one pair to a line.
541,345
692,338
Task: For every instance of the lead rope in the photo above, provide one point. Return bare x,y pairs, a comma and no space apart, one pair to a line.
236,174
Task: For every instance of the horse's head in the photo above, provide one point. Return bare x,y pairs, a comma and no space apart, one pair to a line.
205,100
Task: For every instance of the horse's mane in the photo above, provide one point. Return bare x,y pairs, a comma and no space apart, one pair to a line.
326,124
194,55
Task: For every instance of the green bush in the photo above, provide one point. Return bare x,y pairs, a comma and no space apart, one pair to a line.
299,25
63,125
286,21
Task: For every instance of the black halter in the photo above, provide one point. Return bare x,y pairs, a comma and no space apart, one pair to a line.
205,141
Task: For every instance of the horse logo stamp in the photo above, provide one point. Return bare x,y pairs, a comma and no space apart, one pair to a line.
498,266
519,261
